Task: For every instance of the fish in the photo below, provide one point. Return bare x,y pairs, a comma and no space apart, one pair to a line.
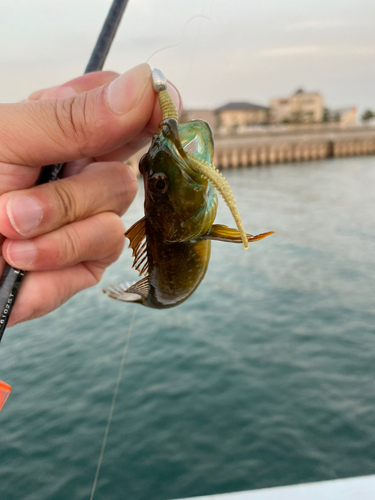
171,244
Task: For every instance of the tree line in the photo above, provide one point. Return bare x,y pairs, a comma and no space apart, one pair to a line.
367,115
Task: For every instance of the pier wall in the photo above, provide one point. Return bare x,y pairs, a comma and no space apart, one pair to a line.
270,146
261,149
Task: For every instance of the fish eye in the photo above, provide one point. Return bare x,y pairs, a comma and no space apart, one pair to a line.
159,183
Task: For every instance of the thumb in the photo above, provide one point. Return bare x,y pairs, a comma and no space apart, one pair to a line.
80,84
92,123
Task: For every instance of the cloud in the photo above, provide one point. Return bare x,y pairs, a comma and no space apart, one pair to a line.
319,24
294,50
337,50
365,50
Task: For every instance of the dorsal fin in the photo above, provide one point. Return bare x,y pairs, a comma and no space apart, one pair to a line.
134,293
138,243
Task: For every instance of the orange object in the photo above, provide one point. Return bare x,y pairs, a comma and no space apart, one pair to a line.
5,390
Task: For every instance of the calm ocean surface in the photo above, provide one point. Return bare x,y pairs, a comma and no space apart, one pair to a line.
265,377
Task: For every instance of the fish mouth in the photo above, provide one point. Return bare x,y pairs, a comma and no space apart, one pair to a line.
168,140
191,147
198,165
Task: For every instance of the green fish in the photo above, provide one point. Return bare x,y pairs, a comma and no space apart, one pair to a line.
172,243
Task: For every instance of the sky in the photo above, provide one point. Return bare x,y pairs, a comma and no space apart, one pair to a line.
226,50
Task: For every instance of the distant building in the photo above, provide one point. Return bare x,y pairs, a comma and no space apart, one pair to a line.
301,107
237,114
347,117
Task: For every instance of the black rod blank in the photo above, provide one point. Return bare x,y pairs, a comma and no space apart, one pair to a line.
101,49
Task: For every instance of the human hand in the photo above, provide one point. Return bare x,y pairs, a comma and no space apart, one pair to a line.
68,231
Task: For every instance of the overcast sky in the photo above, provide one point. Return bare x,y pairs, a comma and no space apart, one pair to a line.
237,50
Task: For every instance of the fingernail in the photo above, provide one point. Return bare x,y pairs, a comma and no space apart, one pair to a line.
21,253
24,214
125,93
176,97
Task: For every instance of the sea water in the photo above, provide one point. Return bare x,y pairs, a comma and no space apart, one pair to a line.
264,377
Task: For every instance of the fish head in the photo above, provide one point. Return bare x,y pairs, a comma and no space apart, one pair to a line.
179,202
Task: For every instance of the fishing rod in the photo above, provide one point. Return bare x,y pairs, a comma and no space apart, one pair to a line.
11,278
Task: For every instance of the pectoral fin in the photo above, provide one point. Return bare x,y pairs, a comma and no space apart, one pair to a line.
134,293
136,233
138,243
219,232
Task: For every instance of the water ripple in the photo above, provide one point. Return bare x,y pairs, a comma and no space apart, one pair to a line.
264,377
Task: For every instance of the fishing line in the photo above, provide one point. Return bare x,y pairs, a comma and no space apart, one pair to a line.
106,432
182,36
130,329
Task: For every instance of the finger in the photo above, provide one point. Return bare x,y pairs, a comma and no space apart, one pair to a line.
45,291
76,86
100,237
104,187
21,176
89,124
124,152
145,136
75,167
70,88
16,176
140,141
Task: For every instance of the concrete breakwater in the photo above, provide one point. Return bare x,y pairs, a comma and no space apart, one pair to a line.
287,144
269,147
